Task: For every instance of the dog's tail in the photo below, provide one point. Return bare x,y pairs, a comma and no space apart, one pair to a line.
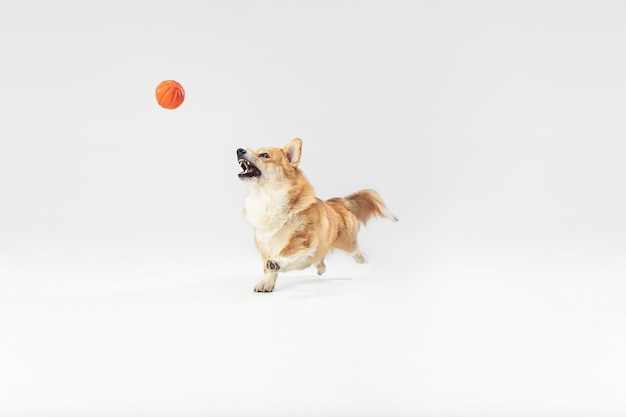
365,204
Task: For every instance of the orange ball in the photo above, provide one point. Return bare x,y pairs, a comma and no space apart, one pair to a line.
170,94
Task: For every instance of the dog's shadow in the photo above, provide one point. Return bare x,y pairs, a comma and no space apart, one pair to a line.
313,285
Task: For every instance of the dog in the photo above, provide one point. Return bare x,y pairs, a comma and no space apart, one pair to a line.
294,229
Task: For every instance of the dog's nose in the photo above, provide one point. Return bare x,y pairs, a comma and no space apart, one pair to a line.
240,151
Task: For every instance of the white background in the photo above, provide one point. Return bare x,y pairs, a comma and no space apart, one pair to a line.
494,130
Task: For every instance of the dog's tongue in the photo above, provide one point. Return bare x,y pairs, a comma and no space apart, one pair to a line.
250,169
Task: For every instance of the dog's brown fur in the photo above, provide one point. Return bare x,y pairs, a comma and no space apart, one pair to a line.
293,228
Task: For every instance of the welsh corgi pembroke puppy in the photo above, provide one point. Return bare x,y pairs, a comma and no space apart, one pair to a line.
294,229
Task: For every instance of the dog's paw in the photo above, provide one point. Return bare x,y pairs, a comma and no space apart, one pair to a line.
321,268
360,257
265,286
272,265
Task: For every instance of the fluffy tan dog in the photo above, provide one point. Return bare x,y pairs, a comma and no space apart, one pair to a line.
293,228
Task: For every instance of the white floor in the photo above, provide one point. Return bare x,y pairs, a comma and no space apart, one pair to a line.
160,331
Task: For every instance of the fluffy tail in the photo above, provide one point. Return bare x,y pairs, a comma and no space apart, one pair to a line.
365,204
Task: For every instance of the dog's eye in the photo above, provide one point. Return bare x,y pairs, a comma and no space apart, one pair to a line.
264,155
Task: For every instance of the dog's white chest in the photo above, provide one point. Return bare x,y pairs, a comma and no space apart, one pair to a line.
266,210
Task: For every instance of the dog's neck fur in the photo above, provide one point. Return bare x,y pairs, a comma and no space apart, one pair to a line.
269,206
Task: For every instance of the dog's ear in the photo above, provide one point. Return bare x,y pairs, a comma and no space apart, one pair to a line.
293,150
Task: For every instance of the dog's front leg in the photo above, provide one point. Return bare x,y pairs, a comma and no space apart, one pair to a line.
297,254
271,273
267,284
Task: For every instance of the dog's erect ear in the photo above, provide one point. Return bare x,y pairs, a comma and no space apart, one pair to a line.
293,150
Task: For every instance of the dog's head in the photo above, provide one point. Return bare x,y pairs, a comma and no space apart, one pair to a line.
270,164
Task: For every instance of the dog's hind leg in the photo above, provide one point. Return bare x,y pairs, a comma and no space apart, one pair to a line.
352,247
321,267
359,257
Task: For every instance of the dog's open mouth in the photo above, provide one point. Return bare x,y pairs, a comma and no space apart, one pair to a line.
249,170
